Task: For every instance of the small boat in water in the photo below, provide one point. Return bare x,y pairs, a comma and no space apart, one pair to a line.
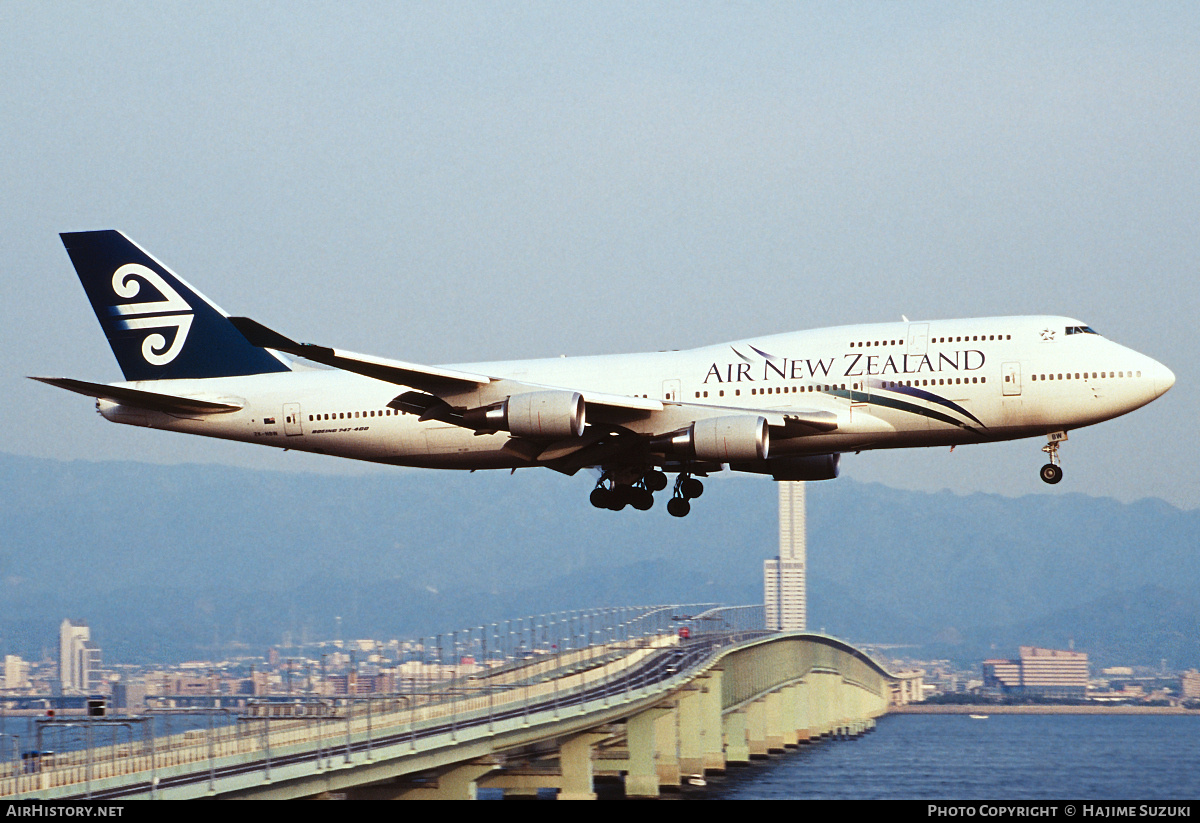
979,717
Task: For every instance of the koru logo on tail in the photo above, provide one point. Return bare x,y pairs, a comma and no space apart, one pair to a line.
170,312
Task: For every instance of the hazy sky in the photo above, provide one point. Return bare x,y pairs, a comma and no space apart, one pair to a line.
454,182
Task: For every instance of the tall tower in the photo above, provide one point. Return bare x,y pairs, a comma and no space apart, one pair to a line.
78,658
783,578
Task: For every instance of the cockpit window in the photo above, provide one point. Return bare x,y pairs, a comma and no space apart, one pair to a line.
1081,330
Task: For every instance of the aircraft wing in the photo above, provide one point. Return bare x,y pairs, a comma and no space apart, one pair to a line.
153,401
436,384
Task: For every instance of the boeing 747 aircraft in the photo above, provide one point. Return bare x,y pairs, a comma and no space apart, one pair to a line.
785,405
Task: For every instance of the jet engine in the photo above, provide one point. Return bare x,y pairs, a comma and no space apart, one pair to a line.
721,439
542,415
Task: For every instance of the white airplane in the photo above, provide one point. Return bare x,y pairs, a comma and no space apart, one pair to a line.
787,405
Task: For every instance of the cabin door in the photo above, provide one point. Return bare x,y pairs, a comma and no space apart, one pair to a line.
291,419
918,339
1010,376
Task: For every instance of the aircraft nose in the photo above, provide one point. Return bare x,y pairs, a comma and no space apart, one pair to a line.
1163,378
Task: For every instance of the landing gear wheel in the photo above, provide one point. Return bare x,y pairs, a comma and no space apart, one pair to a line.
655,481
678,507
1051,473
691,488
641,499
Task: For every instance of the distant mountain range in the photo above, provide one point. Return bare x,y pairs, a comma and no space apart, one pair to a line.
176,562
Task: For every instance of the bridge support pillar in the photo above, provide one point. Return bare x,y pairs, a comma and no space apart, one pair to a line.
737,750
641,736
791,719
575,761
458,783
756,728
825,705
666,748
804,712
700,743
775,720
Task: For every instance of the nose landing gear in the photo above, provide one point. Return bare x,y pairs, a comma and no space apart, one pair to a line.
1052,472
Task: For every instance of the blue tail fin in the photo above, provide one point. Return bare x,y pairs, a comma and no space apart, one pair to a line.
159,327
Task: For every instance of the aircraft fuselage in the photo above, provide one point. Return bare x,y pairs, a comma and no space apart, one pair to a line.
890,385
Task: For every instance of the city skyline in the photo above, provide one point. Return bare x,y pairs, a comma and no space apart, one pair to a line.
333,667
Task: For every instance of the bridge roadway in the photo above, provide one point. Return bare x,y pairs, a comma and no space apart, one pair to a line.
654,712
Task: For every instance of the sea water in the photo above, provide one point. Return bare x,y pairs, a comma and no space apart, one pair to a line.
1003,757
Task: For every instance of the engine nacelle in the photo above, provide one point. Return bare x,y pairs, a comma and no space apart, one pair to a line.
795,467
542,415
720,439
806,467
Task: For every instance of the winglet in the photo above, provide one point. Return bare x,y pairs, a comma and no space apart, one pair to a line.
426,378
259,335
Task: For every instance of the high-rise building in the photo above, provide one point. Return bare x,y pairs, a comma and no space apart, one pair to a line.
783,577
1189,684
78,658
1040,672
16,673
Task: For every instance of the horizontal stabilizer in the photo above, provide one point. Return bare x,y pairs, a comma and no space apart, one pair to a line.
152,401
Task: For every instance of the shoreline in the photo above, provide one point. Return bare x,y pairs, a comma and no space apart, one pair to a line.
985,708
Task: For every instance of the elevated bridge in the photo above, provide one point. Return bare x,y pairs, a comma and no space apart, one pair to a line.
654,709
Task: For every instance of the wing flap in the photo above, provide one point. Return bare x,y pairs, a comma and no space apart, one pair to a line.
801,423
151,401
617,401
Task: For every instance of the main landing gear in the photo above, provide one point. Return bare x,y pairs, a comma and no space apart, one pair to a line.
1052,472
616,493
687,488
